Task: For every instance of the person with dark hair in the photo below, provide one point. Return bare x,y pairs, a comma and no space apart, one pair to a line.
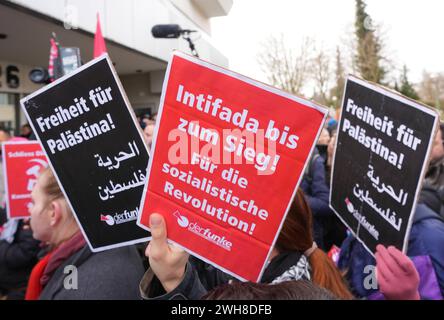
335,231
330,156
5,135
316,190
18,255
26,131
288,290
322,144
294,257
317,194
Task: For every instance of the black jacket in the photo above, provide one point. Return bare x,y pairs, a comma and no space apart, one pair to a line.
3,216
108,275
200,278
432,193
17,259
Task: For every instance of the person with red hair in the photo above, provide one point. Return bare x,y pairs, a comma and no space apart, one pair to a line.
295,257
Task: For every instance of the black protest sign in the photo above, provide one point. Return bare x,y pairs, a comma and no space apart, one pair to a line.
382,148
90,136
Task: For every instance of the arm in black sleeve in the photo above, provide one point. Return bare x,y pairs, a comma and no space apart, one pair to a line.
21,252
189,289
318,198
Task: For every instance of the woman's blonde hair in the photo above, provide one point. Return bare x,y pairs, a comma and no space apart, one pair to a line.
52,189
50,185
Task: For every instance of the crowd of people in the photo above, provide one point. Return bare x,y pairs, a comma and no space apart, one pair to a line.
36,254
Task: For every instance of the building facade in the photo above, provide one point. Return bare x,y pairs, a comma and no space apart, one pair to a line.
139,58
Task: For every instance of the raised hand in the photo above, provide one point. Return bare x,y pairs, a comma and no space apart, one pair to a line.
396,274
167,261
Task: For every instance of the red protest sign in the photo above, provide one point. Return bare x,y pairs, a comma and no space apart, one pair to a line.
22,162
227,157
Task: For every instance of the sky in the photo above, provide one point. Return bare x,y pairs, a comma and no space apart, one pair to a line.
413,29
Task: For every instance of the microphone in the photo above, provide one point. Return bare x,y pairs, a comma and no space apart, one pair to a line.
168,31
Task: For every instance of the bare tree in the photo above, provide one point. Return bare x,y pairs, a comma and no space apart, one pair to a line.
321,75
285,67
431,89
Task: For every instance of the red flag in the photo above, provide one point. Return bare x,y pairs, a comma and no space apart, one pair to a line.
55,69
99,41
53,53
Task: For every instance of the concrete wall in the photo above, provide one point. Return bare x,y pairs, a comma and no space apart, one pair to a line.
140,92
129,22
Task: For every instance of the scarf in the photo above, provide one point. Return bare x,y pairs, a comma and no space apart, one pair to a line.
45,268
287,266
34,286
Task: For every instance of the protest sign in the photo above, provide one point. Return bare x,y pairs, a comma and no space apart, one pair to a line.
381,156
90,136
22,163
228,155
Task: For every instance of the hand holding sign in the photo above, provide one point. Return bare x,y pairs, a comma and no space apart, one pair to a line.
382,136
167,262
396,273
228,155
96,150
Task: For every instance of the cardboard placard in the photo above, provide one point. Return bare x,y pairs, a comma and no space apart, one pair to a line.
228,156
22,163
96,150
381,155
